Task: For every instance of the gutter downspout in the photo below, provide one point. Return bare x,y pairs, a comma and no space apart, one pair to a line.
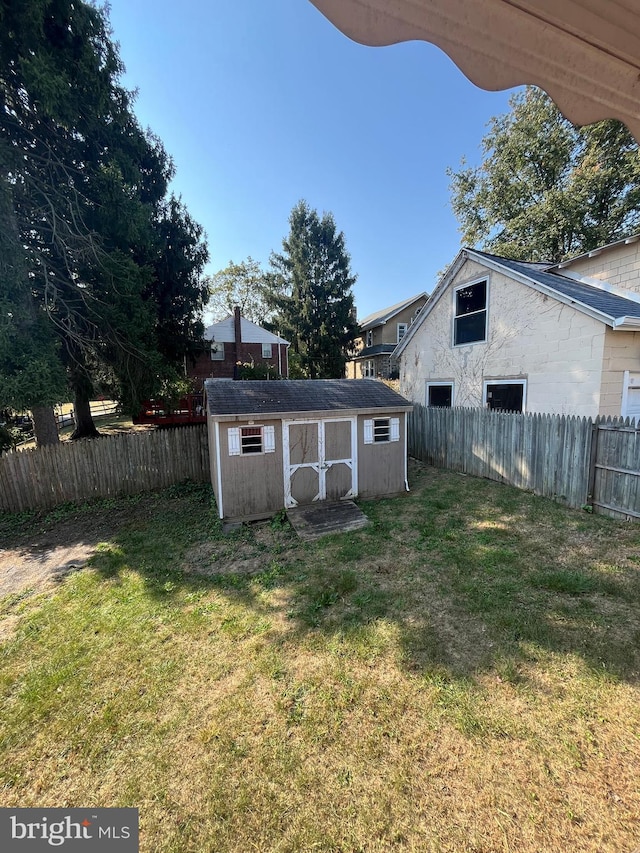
406,451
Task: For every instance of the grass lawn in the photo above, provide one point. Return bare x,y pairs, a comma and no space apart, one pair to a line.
462,675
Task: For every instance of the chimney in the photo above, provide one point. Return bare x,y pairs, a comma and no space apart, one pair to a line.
237,334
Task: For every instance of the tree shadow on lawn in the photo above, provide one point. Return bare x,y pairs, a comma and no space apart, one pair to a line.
471,576
466,575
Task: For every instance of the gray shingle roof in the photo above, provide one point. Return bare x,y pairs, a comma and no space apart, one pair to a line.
226,397
606,303
376,349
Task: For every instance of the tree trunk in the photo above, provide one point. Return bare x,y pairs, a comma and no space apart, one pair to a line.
44,425
85,427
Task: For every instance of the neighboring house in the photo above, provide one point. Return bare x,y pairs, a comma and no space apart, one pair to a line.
531,337
380,333
275,445
235,341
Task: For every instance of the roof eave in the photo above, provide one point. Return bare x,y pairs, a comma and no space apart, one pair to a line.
626,324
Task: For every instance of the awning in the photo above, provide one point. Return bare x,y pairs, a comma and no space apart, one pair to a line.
584,53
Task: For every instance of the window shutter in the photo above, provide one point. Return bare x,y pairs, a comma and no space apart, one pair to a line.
368,432
269,439
234,441
395,429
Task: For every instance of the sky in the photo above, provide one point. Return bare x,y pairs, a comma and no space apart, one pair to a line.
261,104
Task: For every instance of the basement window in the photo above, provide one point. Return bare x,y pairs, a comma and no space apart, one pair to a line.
247,440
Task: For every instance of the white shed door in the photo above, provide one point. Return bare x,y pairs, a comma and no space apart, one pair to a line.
319,460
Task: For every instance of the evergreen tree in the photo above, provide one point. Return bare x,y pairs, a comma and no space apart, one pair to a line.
95,242
545,189
309,291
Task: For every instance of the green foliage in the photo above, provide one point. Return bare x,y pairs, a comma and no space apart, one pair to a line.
309,290
240,284
263,370
545,189
100,270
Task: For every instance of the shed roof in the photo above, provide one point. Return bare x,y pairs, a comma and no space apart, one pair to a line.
226,397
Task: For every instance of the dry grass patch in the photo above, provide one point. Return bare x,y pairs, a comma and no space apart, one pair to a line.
460,676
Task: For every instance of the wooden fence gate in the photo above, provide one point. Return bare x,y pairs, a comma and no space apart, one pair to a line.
615,469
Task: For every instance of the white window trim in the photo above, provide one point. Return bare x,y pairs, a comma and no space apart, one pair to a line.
268,442
394,430
440,384
217,350
498,381
455,316
405,327
368,338
364,368
267,350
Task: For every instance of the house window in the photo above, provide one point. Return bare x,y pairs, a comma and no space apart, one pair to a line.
369,338
251,439
368,369
440,394
267,351
402,330
377,430
470,322
505,396
217,351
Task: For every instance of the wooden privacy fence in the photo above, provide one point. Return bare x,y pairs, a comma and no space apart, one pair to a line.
113,465
574,460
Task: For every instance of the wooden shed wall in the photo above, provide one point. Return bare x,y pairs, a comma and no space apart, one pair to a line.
381,466
253,484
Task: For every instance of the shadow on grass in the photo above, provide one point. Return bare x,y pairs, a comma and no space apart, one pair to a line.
462,576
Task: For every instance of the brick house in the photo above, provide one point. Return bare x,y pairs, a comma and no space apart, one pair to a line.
233,342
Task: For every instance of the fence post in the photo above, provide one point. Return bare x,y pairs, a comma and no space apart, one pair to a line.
593,458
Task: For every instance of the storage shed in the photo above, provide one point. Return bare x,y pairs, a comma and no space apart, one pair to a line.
281,444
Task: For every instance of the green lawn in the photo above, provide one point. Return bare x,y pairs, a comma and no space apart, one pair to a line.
462,675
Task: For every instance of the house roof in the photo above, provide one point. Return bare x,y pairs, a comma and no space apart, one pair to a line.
226,397
376,349
594,298
224,332
379,318
633,238
611,306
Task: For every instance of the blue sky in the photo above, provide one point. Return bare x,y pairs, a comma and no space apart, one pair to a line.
262,103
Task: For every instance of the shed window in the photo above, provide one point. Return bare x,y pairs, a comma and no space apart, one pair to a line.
470,323
379,430
252,439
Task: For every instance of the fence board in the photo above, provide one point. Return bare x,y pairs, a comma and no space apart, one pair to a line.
113,465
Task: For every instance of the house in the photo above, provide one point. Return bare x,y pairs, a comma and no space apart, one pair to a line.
236,341
380,333
275,445
511,335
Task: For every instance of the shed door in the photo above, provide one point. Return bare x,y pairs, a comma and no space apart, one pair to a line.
319,460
